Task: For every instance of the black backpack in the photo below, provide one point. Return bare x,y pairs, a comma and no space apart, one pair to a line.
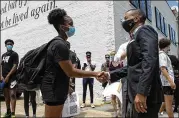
32,67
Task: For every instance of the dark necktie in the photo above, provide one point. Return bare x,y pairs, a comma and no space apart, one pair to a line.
132,36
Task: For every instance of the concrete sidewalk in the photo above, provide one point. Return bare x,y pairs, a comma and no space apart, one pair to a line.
101,110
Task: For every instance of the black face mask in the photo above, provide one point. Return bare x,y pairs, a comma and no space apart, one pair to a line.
128,25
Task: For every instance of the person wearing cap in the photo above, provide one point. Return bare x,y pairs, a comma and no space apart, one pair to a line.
89,65
105,67
9,65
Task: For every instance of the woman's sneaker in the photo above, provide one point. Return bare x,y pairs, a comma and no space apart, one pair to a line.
161,114
92,106
34,116
175,110
83,105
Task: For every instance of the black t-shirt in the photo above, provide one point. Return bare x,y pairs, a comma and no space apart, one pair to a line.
55,82
8,60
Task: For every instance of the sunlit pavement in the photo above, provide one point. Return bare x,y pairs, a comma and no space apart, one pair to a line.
101,110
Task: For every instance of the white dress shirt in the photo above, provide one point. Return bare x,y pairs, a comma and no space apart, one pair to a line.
122,49
166,62
88,68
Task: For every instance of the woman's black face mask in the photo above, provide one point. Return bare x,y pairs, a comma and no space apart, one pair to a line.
128,25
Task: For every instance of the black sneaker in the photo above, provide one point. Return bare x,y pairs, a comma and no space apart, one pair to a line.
175,110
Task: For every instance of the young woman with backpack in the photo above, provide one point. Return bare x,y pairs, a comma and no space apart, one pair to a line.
59,68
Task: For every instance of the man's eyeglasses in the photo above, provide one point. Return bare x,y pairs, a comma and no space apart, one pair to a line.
107,57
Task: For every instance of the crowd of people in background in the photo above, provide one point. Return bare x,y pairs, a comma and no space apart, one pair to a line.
63,66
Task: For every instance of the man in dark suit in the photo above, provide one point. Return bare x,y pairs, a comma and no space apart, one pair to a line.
142,71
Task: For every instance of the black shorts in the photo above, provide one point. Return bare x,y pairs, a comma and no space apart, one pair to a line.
168,90
54,93
54,103
7,85
52,98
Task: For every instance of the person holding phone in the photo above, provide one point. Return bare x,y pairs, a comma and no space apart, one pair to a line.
89,65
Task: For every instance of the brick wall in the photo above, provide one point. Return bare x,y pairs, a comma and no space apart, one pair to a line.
93,21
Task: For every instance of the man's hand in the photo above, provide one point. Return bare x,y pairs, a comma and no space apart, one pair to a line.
172,84
6,79
102,77
140,103
2,78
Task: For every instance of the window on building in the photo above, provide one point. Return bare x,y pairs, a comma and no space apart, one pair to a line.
165,27
135,3
174,38
144,5
169,28
149,10
157,16
162,26
172,34
160,22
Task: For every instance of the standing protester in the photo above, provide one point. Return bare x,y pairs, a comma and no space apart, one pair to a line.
59,69
175,64
142,70
121,57
167,76
9,65
105,67
32,96
89,65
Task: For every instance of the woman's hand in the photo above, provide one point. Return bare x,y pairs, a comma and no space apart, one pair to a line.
172,84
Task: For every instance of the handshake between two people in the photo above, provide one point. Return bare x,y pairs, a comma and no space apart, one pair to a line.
103,77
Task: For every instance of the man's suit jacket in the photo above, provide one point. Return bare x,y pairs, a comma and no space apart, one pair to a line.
142,71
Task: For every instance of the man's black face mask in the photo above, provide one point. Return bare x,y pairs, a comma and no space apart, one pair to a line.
128,25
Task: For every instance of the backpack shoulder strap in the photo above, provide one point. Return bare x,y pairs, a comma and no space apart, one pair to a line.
56,38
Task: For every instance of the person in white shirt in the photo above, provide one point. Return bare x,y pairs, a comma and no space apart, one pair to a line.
121,54
89,65
167,76
121,57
